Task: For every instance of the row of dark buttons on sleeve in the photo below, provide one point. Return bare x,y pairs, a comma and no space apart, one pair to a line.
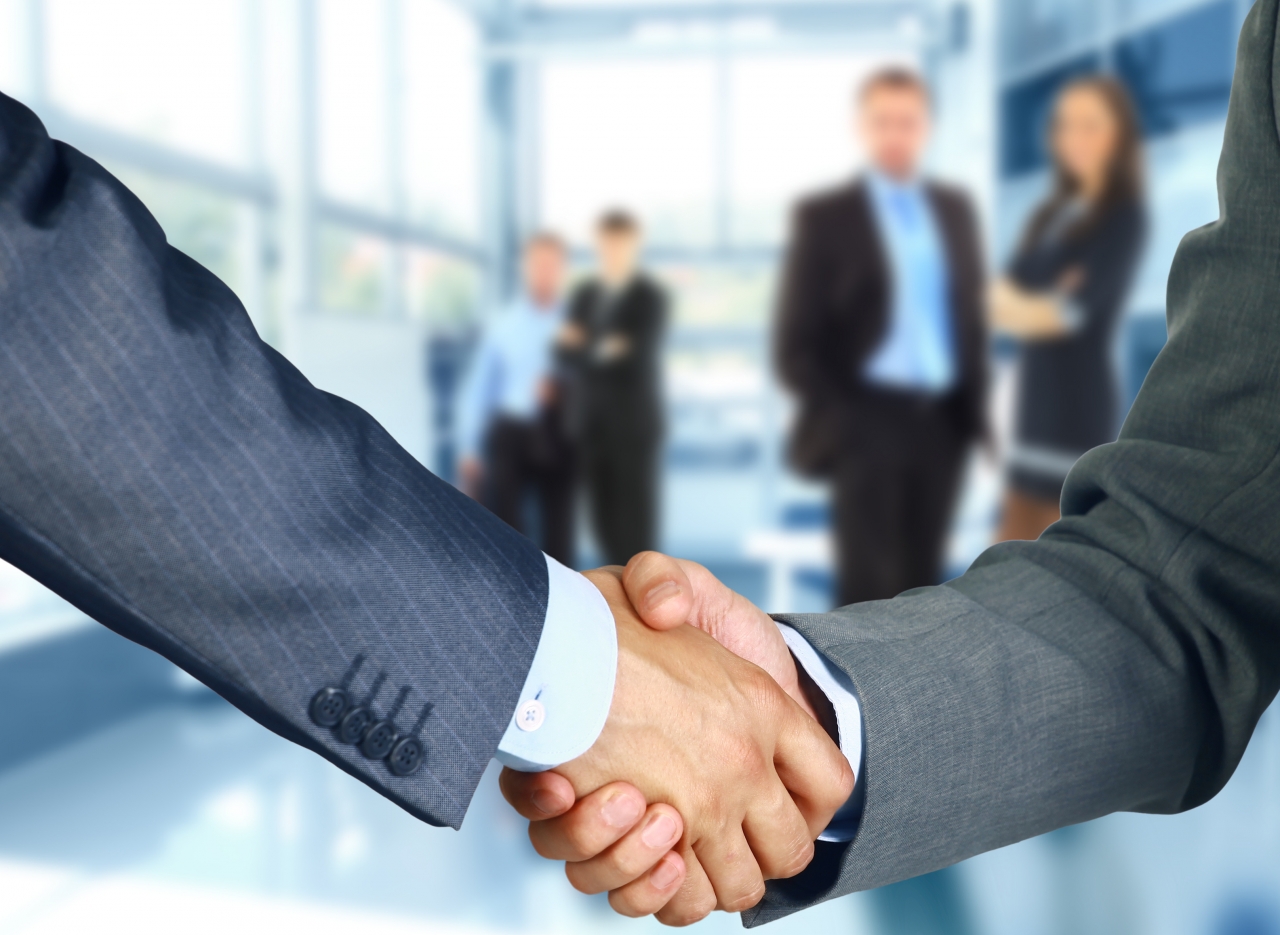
377,738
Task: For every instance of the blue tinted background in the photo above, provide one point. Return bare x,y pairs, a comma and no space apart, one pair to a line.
360,172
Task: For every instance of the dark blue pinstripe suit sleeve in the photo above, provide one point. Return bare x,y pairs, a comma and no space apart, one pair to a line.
174,477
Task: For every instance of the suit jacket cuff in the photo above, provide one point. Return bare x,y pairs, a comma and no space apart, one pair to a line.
569,689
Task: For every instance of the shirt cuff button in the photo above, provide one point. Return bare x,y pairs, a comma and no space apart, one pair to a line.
531,715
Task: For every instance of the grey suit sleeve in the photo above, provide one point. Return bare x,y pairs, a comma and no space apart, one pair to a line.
175,478
1121,662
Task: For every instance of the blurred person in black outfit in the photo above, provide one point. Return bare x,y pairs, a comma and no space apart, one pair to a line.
514,438
1063,296
881,335
614,335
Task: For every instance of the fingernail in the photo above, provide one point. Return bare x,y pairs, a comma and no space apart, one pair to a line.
659,594
665,873
621,811
660,831
547,802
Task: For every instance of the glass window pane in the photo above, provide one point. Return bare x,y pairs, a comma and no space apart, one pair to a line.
202,224
637,134
720,296
441,118
352,101
1032,31
775,102
13,50
1180,70
353,269
169,72
439,289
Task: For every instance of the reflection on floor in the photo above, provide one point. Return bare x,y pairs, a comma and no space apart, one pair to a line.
192,812
177,813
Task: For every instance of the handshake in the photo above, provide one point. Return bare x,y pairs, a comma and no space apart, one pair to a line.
716,769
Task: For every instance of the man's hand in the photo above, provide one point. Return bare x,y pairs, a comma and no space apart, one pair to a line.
711,738
627,856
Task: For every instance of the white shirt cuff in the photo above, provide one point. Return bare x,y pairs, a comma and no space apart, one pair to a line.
844,699
569,689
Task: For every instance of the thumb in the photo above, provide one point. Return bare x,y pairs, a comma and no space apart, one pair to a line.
659,589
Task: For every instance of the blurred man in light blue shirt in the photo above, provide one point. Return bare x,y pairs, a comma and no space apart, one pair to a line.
513,438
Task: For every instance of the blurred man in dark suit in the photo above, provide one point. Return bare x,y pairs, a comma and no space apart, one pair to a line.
880,333
614,336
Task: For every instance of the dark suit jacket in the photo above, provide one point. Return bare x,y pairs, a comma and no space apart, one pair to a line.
834,311
178,480
1067,395
620,399
1121,662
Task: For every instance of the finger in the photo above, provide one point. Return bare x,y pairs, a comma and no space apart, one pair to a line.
536,796
659,590
732,869
778,833
633,856
695,899
645,896
811,767
595,823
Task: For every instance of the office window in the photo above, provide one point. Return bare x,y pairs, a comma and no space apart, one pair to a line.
775,103
353,83
637,134
1034,31
439,289
170,73
1128,13
1180,71
204,225
13,48
353,271
1025,109
441,116
719,296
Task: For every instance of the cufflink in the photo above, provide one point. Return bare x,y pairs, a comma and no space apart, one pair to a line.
531,715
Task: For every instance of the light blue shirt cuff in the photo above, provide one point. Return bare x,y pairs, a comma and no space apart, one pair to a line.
844,699
569,690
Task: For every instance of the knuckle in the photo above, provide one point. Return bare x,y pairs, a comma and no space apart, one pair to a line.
747,899
799,856
624,903
843,781
582,879
681,912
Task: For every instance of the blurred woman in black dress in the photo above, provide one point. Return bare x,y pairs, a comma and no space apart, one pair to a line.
1063,295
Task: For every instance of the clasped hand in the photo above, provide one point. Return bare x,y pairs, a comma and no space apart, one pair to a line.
712,774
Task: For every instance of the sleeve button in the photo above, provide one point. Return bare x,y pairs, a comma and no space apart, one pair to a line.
379,740
406,756
353,724
531,715
328,706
